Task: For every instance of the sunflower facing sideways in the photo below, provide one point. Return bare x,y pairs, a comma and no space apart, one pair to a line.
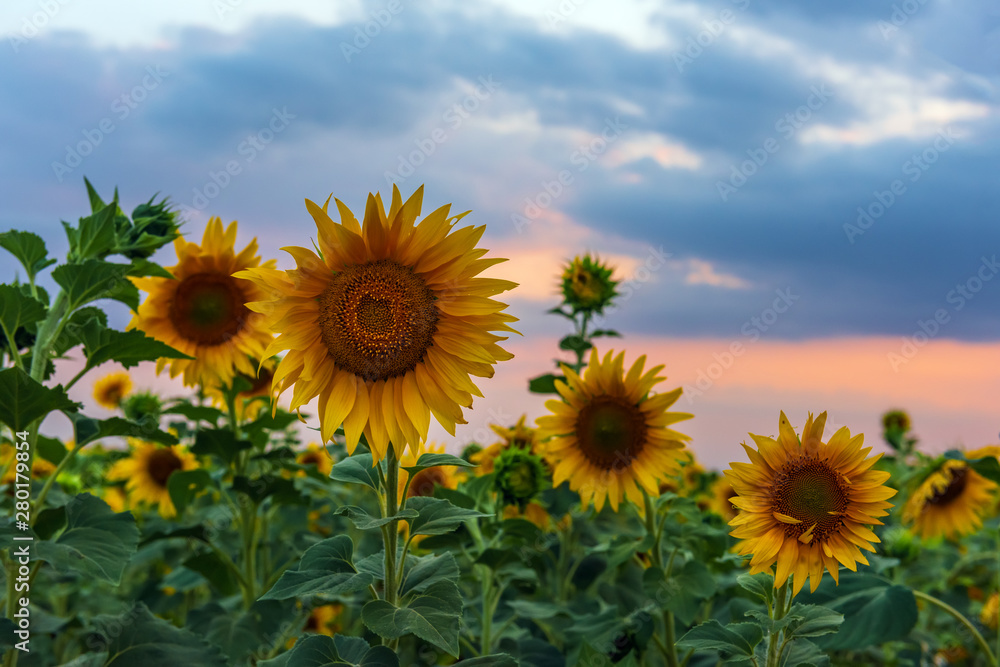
423,484
386,327
147,470
808,505
201,310
609,435
950,502
110,390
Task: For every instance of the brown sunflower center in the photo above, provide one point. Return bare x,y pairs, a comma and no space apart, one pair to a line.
310,458
809,490
377,319
610,432
114,393
259,384
161,465
209,308
959,477
425,481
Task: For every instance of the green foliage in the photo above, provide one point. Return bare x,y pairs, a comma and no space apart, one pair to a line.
29,249
23,399
138,639
432,615
326,568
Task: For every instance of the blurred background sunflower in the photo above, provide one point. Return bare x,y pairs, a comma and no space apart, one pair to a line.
147,470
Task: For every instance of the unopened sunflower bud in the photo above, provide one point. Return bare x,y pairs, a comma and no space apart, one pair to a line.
587,285
520,476
142,407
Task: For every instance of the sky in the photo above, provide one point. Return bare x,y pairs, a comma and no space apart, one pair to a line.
800,201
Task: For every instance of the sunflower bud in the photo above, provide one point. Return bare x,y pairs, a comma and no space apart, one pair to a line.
143,407
520,476
587,285
152,227
896,424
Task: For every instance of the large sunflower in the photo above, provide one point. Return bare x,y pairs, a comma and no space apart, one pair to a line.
807,505
950,502
201,311
388,325
609,436
147,471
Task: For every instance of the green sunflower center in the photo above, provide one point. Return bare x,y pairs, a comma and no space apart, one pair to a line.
377,319
809,490
425,481
161,465
209,308
610,432
958,478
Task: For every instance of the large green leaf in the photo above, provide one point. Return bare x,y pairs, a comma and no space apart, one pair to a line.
426,571
683,591
544,384
437,516
214,569
738,639
365,521
326,568
875,611
29,249
321,651
139,639
96,543
258,628
357,469
811,620
94,236
128,348
94,279
17,310
803,653
433,616
23,400
433,460
219,442
87,430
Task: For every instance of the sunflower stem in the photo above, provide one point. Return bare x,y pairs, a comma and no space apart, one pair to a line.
957,615
391,534
779,610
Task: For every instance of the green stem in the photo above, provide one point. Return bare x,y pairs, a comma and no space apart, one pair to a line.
780,609
390,532
957,615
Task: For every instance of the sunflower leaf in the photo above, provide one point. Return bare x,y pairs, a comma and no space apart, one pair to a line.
875,611
436,516
23,400
357,469
238,635
575,343
736,638
326,568
812,620
427,571
128,348
94,237
433,460
322,651
184,485
94,279
18,310
365,521
495,660
433,616
97,542
219,442
803,653
544,384
139,639
29,249
681,592
87,430
760,585
211,566
604,332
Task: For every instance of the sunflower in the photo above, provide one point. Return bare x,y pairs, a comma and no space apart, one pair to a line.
719,499
990,611
115,497
8,463
517,435
316,455
248,403
807,505
147,471
111,389
425,481
609,436
389,325
950,502
587,284
532,512
324,620
201,311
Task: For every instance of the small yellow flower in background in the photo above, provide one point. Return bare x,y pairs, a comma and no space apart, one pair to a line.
587,284
518,435
990,612
609,436
146,471
425,481
807,506
323,620
315,454
951,502
719,499
389,325
111,389
8,463
115,497
201,311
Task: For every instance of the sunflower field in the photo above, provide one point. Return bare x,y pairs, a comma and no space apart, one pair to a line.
289,510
